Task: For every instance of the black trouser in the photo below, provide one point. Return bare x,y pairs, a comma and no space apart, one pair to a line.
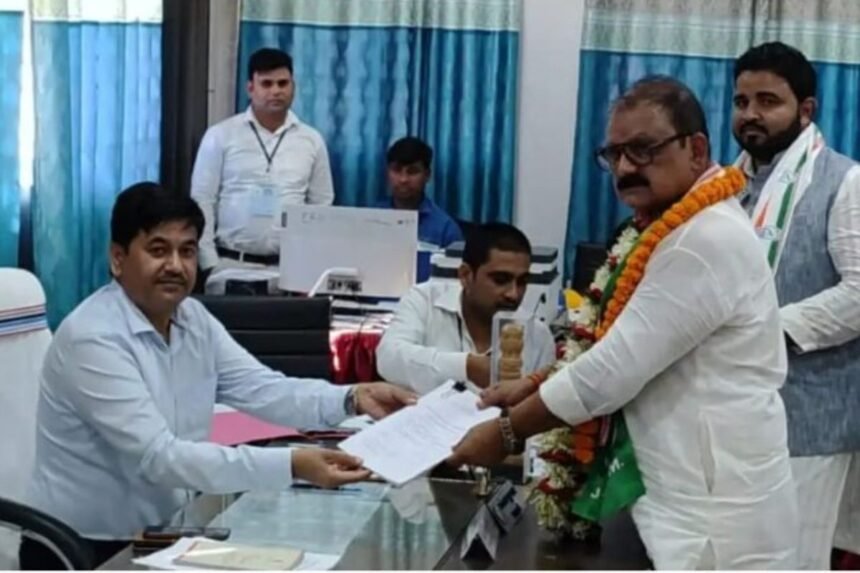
34,556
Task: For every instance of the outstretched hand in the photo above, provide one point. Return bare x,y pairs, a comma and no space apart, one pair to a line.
379,399
327,468
507,394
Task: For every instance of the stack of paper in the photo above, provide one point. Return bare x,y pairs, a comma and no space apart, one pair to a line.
206,554
410,442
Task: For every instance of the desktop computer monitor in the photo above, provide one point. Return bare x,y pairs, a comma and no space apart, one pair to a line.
348,250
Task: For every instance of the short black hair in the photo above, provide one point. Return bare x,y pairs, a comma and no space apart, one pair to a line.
678,101
268,60
409,150
144,206
783,60
488,236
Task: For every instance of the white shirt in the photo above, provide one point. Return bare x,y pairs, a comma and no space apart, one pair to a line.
240,199
696,360
832,317
427,342
124,417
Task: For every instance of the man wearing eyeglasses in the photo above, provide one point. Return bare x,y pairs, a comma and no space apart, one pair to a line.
804,200
694,359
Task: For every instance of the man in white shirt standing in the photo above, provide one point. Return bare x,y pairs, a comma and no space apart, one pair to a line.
129,384
689,348
804,200
443,331
248,167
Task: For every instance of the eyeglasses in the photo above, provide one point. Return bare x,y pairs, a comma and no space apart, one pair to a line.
639,154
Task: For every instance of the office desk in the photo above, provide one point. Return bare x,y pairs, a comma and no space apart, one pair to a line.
418,527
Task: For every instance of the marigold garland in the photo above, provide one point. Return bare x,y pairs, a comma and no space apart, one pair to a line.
727,184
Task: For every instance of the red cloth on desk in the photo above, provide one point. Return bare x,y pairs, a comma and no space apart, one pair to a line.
846,561
354,356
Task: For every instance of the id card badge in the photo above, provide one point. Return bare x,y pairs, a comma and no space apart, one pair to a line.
264,202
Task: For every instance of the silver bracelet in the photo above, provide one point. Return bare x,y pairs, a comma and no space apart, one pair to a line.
512,444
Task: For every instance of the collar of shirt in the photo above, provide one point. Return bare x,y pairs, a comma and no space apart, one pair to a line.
426,206
291,120
137,321
450,301
710,172
752,171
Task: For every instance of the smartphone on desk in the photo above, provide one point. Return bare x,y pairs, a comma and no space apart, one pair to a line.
174,532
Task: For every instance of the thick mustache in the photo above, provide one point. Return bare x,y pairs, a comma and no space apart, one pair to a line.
172,280
631,181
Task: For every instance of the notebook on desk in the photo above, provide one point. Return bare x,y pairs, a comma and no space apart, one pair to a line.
207,554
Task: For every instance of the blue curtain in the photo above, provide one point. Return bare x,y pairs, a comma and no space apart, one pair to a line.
367,75
697,43
98,102
11,26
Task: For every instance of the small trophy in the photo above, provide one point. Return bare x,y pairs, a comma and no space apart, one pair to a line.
510,332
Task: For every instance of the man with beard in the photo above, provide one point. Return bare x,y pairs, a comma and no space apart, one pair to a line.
129,384
247,168
689,350
804,200
443,331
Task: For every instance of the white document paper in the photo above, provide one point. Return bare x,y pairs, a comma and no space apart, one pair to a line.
410,442
163,559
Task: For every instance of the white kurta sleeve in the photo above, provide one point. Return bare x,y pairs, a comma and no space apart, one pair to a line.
832,317
678,304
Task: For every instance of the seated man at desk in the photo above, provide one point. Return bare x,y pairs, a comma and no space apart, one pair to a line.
443,331
248,167
409,168
130,381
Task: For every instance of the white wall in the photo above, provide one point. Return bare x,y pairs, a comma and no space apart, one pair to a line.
549,78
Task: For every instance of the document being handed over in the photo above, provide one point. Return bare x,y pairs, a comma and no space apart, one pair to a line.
406,444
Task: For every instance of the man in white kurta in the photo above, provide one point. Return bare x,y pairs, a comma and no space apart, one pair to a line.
804,201
695,361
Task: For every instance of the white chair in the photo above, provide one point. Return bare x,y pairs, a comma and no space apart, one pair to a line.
24,339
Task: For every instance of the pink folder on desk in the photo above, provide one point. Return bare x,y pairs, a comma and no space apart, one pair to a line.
234,428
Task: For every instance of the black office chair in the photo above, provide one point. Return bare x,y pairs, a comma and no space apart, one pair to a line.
467,228
287,334
589,258
48,531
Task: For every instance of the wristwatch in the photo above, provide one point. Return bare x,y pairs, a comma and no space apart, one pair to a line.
512,444
350,402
